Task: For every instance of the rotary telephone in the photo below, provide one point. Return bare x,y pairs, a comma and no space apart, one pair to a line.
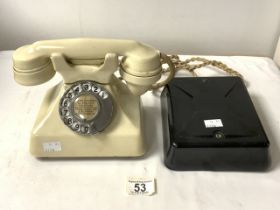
91,113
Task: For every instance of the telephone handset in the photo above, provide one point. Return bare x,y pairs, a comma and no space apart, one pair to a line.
91,113
37,63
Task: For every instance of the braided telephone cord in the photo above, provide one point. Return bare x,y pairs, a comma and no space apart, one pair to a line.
175,64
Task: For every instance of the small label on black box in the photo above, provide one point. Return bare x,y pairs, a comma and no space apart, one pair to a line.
214,123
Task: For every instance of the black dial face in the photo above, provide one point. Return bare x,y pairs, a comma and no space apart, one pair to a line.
86,108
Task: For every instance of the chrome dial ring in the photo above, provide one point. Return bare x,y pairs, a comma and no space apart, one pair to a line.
86,107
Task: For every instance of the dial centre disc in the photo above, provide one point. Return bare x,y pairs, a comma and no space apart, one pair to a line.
86,107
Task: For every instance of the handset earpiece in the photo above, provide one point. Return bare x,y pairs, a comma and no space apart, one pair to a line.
138,83
141,68
31,68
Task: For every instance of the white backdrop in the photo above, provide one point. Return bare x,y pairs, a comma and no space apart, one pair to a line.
223,27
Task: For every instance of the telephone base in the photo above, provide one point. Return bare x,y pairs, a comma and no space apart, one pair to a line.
122,138
67,146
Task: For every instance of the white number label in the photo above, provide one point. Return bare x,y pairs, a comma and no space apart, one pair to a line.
53,146
140,186
215,123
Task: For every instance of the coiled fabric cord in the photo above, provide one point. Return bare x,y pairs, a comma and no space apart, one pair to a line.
175,64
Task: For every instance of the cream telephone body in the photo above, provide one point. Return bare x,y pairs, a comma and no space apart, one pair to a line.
91,113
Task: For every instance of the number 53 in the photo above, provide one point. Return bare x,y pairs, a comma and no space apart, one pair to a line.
139,187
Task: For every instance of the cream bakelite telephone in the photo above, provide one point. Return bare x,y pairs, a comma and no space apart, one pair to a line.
91,113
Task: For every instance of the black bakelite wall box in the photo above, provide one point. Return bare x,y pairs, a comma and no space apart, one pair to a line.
210,123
